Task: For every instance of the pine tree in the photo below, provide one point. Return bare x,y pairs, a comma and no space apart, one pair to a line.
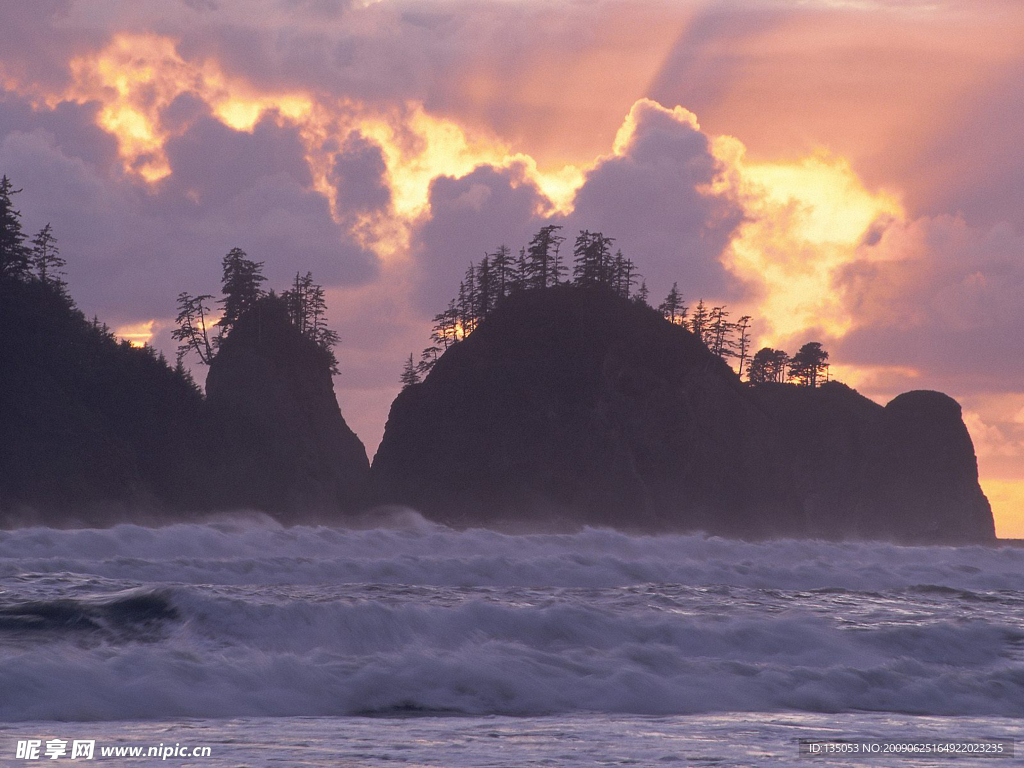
427,359
543,265
486,291
779,364
445,332
720,340
15,258
521,280
297,300
623,275
558,269
809,364
743,342
672,307
642,294
240,285
699,321
192,328
503,270
410,373
327,339
47,259
592,259
467,303
761,369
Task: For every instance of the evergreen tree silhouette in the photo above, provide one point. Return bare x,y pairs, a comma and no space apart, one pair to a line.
809,364
297,299
779,364
486,290
672,307
192,327
521,280
47,259
503,270
240,285
445,332
699,321
467,302
742,327
760,370
15,258
427,359
410,373
592,259
720,340
643,294
623,275
543,264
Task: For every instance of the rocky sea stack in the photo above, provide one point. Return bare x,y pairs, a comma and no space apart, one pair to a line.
276,438
571,406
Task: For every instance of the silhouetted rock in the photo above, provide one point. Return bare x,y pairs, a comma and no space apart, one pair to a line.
276,438
92,430
572,406
927,470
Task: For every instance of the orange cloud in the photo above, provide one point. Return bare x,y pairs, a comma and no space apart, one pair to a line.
807,220
136,77
136,334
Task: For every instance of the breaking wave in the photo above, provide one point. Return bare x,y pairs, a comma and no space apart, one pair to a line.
245,618
256,550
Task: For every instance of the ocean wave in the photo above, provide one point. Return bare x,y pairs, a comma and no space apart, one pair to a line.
242,617
130,614
414,551
226,657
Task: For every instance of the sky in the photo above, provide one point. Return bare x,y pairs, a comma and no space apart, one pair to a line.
845,171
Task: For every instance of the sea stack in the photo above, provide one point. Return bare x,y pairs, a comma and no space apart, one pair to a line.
275,436
927,471
573,406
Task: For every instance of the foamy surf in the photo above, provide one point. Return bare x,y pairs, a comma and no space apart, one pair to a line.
416,552
248,619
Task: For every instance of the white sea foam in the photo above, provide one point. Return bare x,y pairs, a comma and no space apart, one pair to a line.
232,656
245,618
248,551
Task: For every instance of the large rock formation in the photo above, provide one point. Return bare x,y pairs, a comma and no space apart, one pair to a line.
570,406
276,439
95,432
92,430
926,469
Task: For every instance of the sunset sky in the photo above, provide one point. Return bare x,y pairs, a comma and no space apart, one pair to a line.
847,171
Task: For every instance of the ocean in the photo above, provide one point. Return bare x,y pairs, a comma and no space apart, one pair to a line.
411,644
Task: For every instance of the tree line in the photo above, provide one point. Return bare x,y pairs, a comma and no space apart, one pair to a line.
39,259
808,367
37,263
241,292
541,264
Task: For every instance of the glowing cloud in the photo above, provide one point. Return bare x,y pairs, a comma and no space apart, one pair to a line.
136,334
807,219
136,78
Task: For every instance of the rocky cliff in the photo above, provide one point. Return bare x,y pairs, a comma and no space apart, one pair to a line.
571,406
275,438
96,432
92,430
